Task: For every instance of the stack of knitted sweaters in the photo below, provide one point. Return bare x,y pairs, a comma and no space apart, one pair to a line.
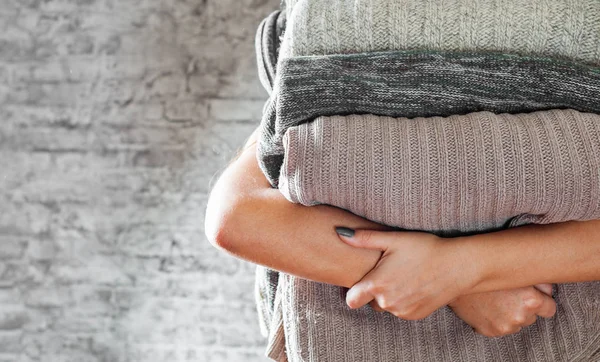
448,116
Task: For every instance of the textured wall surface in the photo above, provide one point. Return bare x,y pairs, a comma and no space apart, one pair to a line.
115,115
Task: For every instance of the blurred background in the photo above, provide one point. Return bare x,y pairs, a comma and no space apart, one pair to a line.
115,116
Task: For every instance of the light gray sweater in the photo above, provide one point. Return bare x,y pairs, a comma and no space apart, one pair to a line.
568,29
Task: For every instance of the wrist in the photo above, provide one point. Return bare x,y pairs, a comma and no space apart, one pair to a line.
472,262
496,261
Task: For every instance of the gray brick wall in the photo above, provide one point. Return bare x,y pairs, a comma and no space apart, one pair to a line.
114,117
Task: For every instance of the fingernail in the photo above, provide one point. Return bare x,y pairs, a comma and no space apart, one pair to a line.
344,231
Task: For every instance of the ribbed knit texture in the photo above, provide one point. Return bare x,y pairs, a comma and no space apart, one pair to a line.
319,327
454,175
413,84
567,29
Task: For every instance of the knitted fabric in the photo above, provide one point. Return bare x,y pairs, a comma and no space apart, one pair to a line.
450,176
267,43
412,84
568,29
319,327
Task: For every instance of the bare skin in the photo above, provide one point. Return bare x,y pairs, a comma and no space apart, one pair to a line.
255,222
250,220
496,314
420,272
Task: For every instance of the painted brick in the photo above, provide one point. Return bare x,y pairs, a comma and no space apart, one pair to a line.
116,118
13,318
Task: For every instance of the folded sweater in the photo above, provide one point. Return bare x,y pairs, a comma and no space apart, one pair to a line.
554,29
449,175
567,29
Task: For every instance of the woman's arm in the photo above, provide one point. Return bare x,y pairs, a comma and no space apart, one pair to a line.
255,222
420,272
554,253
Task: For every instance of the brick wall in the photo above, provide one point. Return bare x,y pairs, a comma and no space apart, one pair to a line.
114,117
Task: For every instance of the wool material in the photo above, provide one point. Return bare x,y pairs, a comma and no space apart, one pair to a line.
267,44
552,28
449,175
417,84
319,327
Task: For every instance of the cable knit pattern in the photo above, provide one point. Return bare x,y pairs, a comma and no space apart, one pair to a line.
455,175
568,29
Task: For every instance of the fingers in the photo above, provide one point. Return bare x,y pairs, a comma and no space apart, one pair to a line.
547,308
531,319
358,295
541,304
368,239
376,306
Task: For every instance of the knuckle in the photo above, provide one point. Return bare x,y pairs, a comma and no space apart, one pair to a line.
372,287
404,312
384,302
375,305
533,302
505,329
518,319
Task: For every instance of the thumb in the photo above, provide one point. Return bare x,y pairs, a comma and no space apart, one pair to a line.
547,308
368,239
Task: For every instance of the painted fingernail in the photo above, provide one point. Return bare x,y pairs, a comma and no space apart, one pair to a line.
344,231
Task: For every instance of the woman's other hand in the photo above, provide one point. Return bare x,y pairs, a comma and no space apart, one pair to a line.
500,313
417,273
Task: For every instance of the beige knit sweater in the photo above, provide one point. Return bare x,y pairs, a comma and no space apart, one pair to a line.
449,175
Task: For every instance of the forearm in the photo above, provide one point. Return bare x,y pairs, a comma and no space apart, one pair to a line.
260,225
532,254
301,240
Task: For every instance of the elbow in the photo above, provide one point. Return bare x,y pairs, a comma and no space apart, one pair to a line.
215,230
216,227
224,210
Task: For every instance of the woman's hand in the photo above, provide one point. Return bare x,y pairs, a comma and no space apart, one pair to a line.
417,273
499,313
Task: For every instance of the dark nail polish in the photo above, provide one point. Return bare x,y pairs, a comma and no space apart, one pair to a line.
344,231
